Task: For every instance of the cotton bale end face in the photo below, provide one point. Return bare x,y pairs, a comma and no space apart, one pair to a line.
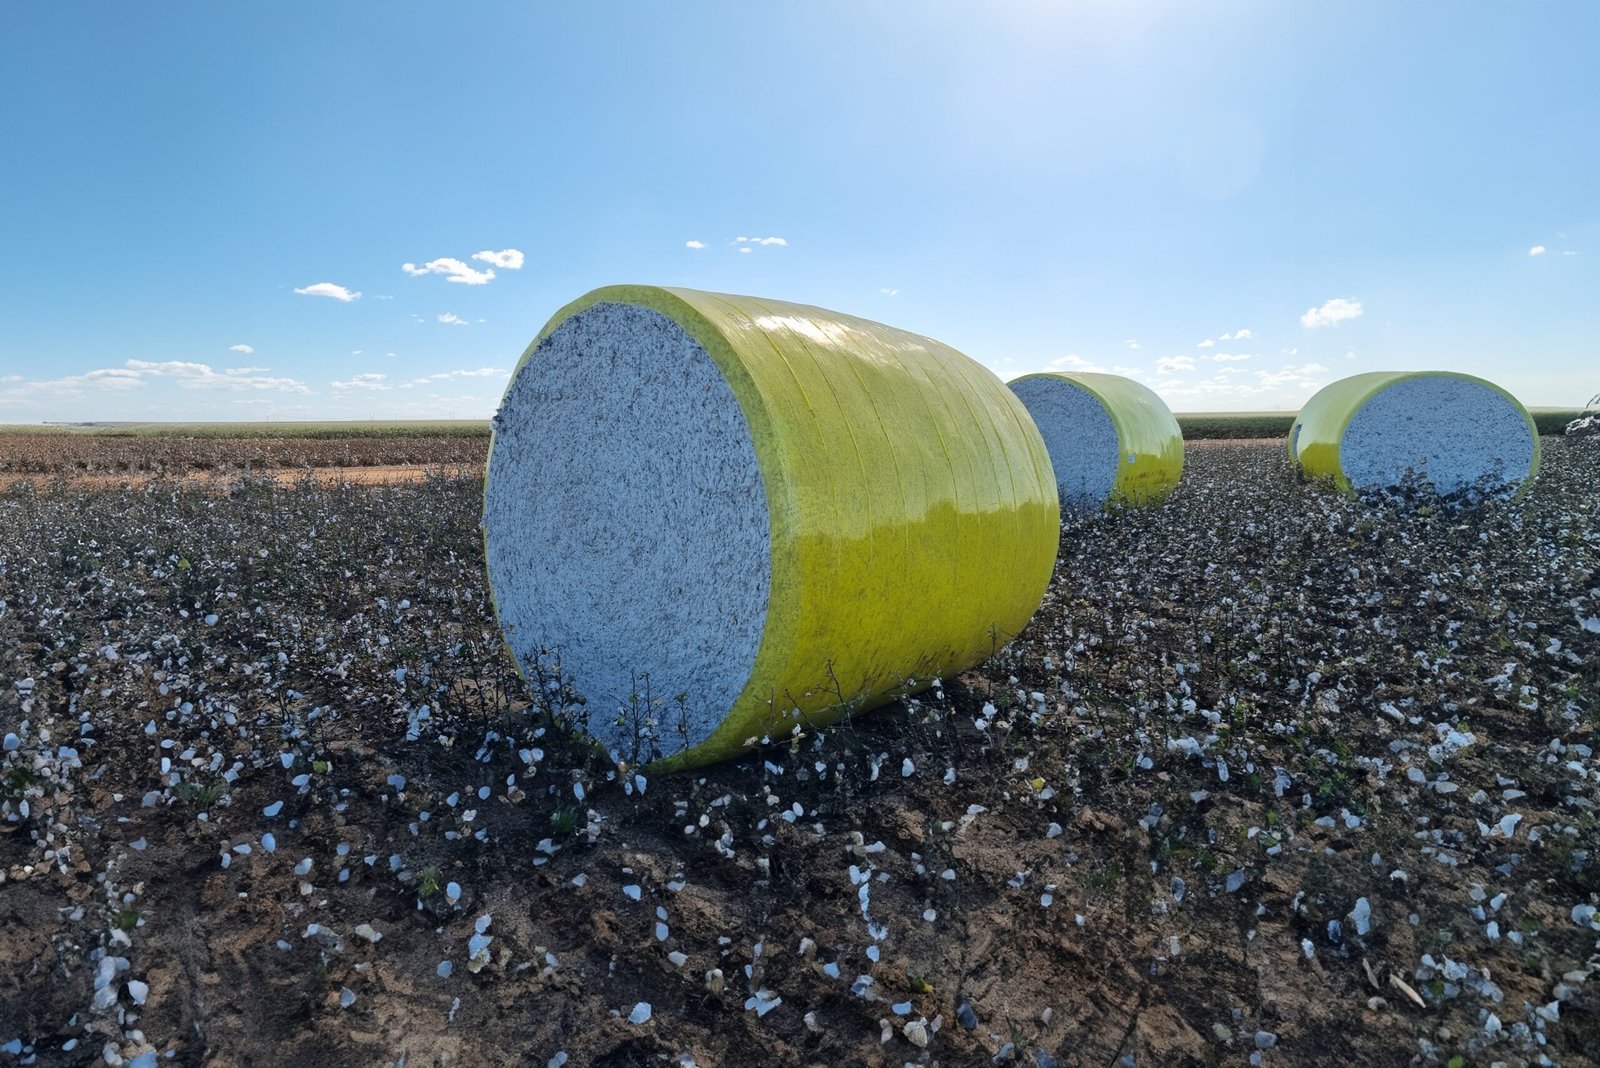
1454,433
722,517
1111,440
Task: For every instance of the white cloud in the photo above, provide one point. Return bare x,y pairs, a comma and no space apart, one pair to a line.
366,381
746,248
1334,311
890,292
135,374
1230,357
1242,334
1132,344
246,349
1349,355
453,319
1206,344
1301,376
101,380
759,241
201,376
328,289
443,376
1230,388
1569,252
510,259
1170,365
453,270
694,244
1537,250
1072,362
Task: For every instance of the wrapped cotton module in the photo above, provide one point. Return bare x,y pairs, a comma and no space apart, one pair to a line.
1453,433
722,517
1112,441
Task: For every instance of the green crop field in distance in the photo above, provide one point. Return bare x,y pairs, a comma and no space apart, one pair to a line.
1211,426
1214,426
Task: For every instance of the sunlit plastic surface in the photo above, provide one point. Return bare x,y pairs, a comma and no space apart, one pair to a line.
914,517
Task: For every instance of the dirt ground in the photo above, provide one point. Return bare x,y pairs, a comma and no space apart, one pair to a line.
1273,777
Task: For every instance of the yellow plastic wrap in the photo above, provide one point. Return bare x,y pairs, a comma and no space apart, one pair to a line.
1317,436
1150,442
913,514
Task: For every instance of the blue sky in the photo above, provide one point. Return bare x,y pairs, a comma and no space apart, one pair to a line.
1310,190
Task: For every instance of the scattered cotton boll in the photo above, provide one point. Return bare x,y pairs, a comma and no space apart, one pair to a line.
907,768
633,891
763,1002
367,932
272,810
269,842
452,892
445,969
211,619
347,997
1361,916
303,867
138,991
640,1014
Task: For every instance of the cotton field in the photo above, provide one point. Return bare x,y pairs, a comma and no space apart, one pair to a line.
1274,773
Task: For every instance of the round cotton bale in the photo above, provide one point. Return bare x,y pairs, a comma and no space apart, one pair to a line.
1112,441
1453,433
723,517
